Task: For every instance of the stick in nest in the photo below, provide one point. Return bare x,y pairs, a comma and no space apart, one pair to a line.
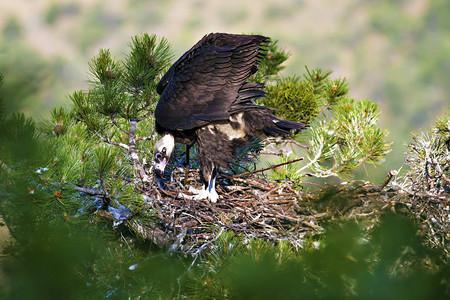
265,169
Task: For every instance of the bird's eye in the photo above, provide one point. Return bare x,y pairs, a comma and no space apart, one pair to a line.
158,155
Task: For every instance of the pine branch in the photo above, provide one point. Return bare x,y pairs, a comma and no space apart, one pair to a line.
108,141
144,138
91,191
134,155
287,141
114,121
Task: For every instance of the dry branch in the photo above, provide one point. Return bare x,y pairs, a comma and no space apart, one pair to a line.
265,169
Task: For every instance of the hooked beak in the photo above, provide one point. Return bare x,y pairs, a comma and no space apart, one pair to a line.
159,165
162,150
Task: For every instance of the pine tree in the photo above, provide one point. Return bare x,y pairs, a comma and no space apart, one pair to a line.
118,107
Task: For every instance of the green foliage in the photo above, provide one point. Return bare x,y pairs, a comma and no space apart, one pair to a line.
106,89
293,99
348,263
59,248
347,139
339,142
125,89
102,142
344,132
122,89
18,138
325,89
53,263
246,157
104,158
73,161
148,58
20,153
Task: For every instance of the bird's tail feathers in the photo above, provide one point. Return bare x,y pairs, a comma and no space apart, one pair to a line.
283,127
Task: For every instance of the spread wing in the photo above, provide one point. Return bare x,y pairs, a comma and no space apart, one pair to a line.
205,83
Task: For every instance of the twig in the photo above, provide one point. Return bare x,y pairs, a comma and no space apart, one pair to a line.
91,191
312,225
114,121
143,138
324,108
426,195
249,182
311,183
279,153
388,179
265,169
274,141
108,141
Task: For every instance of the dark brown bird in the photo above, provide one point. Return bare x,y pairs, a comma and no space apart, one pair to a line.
206,99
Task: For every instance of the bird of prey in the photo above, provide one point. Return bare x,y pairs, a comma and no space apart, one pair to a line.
206,98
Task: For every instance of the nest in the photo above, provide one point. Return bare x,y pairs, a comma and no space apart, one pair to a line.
255,207
251,206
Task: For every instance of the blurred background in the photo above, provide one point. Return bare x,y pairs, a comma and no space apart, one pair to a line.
396,53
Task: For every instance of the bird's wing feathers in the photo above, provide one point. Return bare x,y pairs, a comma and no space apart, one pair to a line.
204,83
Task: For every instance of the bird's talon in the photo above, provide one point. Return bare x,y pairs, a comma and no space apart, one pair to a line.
200,195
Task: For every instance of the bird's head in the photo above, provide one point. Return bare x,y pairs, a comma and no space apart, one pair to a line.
162,151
